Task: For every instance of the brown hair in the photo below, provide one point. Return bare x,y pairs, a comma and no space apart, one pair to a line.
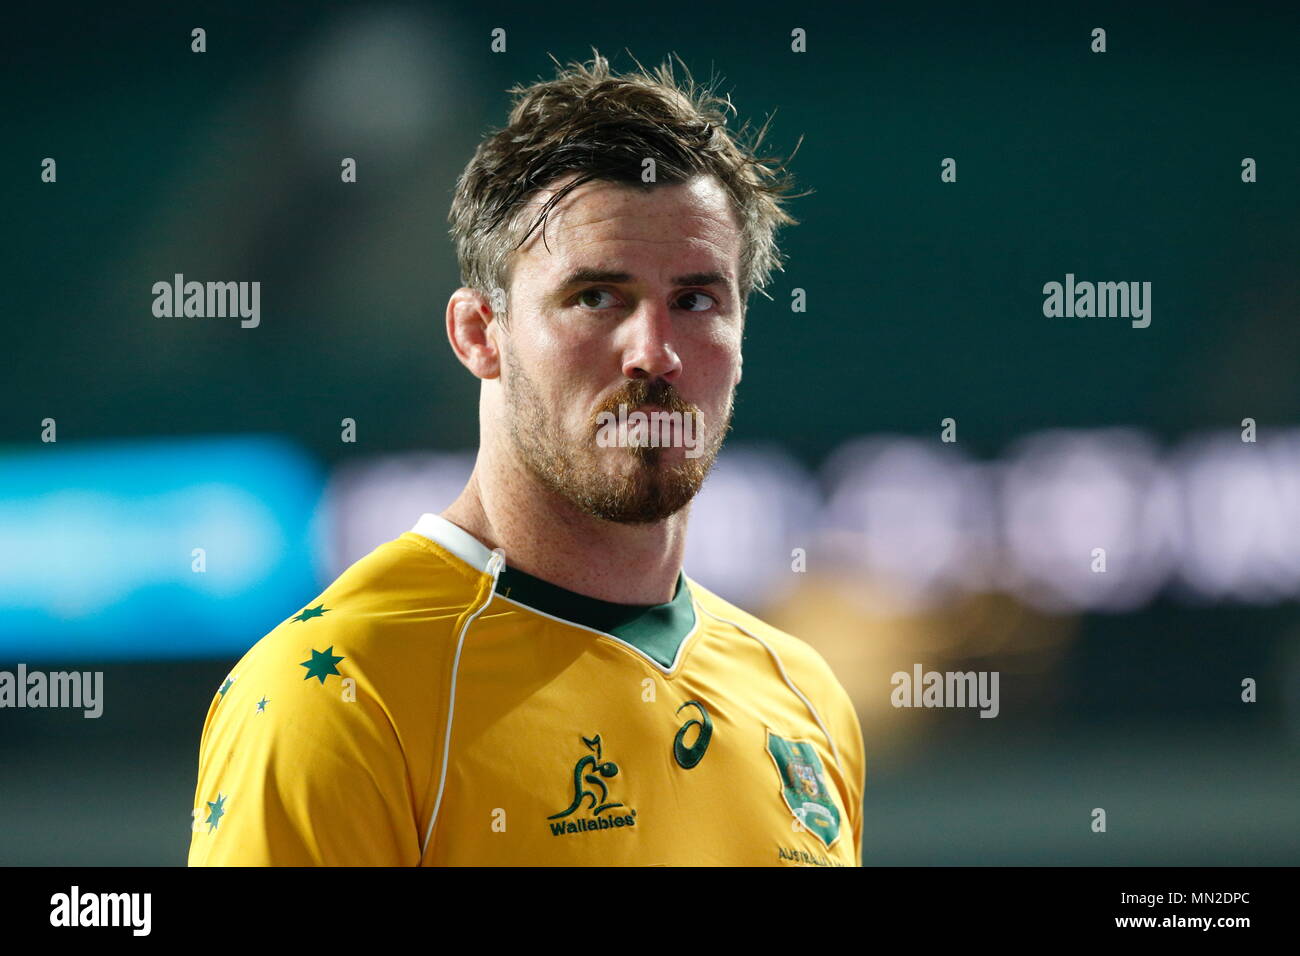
601,126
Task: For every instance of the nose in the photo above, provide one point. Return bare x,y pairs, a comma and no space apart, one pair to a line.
649,352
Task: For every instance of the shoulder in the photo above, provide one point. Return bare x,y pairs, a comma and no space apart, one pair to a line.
794,653
801,663
382,631
409,574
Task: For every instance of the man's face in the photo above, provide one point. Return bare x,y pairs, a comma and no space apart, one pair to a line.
633,300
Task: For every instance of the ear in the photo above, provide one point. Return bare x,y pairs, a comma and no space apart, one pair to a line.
472,332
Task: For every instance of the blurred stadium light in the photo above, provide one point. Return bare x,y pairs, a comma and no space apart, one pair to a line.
376,75
96,541
97,546
916,516
1067,493
757,506
1241,509
374,500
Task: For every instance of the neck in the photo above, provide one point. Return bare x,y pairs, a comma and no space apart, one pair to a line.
545,536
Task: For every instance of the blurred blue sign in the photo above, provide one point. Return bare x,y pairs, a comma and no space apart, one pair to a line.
180,548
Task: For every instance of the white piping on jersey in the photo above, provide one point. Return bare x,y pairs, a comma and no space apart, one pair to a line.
681,647
494,565
785,677
455,539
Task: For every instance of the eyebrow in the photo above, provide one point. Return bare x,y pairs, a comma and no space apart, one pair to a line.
585,274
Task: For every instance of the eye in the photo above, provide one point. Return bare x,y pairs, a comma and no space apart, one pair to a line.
585,296
696,297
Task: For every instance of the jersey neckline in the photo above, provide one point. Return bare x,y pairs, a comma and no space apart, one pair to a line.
656,631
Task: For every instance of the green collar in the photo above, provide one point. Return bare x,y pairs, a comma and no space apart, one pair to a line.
656,630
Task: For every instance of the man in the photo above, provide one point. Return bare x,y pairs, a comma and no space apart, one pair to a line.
529,677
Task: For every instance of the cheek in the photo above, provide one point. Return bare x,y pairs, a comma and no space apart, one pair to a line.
547,358
565,349
720,354
566,375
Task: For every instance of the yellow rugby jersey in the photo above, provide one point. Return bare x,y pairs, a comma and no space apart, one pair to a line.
435,707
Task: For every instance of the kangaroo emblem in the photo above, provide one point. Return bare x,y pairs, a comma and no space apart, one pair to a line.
580,792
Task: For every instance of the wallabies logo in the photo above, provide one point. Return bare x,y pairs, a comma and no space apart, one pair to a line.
582,776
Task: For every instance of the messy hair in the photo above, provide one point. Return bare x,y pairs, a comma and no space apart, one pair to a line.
596,125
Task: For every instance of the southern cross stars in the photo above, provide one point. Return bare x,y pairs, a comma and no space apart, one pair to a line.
310,612
321,664
215,812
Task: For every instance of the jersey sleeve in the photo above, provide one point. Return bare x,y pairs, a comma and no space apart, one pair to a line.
846,727
858,775
299,763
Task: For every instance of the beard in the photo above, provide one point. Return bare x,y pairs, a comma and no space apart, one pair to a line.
647,492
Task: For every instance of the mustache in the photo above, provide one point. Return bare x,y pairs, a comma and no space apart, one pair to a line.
638,392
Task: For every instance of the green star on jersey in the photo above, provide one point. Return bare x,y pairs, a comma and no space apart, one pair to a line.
310,612
261,704
226,686
215,812
321,664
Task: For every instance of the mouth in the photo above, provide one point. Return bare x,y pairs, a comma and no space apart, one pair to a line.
651,409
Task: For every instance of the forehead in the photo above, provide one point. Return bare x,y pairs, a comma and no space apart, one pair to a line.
606,224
